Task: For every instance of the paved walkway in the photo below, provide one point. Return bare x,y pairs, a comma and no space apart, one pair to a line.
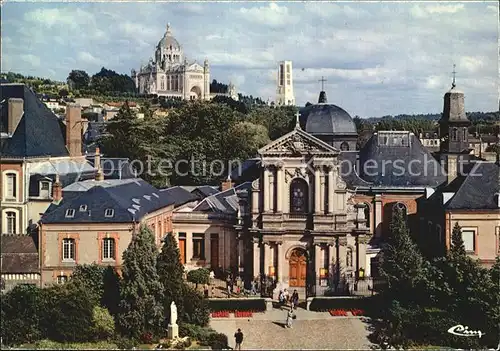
311,330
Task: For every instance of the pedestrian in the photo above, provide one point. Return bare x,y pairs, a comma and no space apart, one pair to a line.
212,275
205,291
253,288
289,318
295,299
238,338
281,297
213,291
287,296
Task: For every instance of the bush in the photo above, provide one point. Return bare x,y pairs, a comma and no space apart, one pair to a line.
54,345
252,305
217,341
104,324
202,334
124,343
195,307
199,276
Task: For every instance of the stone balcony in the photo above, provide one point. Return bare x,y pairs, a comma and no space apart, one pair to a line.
299,221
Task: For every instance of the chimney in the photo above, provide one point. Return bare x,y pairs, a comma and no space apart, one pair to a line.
451,167
74,130
228,184
15,112
57,190
97,163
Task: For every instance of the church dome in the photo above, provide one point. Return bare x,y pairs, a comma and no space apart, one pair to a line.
326,119
168,40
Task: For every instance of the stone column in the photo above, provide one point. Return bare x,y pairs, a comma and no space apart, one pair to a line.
256,257
378,215
317,261
317,190
268,260
322,193
189,247
208,252
255,201
272,183
265,189
331,190
280,258
280,184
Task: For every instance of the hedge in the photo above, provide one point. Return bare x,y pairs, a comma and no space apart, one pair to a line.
253,305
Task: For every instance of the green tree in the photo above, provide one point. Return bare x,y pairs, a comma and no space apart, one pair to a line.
78,79
103,323
199,276
247,138
195,307
141,310
402,263
111,294
89,278
170,272
457,248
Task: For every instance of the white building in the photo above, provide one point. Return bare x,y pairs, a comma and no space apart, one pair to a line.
170,73
284,91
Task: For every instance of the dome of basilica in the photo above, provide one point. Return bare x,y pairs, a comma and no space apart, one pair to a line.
168,41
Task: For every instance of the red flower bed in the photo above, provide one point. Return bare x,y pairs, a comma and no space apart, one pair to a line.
358,312
243,314
338,313
220,314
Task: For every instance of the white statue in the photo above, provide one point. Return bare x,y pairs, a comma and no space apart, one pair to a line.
173,313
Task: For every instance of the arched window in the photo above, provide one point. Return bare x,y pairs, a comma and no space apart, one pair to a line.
299,196
454,134
464,134
400,207
344,146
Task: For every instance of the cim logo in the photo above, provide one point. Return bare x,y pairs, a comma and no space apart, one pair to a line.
461,330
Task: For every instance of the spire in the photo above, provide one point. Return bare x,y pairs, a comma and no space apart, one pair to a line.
322,80
297,120
453,84
169,31
322,98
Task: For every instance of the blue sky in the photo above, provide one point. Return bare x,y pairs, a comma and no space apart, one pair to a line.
378,58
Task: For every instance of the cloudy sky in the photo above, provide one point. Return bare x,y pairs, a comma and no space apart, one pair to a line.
378,57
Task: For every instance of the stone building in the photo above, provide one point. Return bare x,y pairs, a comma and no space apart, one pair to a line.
170,74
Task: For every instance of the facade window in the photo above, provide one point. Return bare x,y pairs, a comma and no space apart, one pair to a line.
83,208
11,186
469,238
367,215
344,146
61,279
465,134
454,134
11,222
198,246
45,189
70,213
108,249
68,250
109,213
298,196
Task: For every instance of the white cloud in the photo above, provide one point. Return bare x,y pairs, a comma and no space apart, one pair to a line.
444,8
272,15
88,58
471,64
31,59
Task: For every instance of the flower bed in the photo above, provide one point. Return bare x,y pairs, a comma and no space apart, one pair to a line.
357,312
338,313
220,314
243,314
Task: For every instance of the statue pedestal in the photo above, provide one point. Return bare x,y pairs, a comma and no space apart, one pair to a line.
173,331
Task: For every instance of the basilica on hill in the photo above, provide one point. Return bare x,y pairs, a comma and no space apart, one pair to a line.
170,74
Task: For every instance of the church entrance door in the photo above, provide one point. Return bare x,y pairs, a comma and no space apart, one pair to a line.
298,268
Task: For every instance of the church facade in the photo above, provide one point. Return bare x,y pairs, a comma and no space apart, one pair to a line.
170,74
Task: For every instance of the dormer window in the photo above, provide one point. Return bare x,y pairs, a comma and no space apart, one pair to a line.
109,213
83,208
70,213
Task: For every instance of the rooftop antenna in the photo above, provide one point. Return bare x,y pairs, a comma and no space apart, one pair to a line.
453,84
322,80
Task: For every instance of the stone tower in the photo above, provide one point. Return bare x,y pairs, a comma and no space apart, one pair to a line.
453,125
284,91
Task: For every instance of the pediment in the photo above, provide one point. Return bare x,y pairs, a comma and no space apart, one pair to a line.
195,67
298,142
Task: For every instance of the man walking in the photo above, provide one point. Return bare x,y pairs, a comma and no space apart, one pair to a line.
238,338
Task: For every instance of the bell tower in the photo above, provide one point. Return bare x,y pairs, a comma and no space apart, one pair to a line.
453,125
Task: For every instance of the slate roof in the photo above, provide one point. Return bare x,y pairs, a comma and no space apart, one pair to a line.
114,168
131,199
326,119
19,254
399,166
480,189
225,202
39,132
179,195
249,170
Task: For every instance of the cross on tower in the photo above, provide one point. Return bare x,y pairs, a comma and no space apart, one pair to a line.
454,73
297,120
322,80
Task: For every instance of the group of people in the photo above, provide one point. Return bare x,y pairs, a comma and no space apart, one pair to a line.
284,298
